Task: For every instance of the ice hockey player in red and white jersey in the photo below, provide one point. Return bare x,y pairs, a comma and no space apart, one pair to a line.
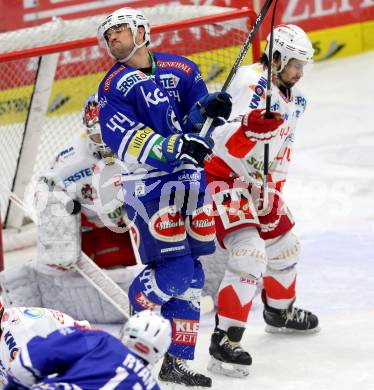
85,178
259,241
18,325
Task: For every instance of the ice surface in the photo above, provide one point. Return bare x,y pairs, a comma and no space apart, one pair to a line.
331,193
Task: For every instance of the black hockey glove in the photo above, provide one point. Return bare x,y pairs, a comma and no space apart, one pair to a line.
189,148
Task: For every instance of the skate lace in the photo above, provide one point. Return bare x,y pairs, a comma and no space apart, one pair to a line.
231,346
296,314
182,365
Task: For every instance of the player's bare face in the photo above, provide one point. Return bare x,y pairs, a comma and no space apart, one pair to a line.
292,73
120,40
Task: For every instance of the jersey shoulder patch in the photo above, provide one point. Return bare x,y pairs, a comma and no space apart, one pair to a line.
172,61
108,79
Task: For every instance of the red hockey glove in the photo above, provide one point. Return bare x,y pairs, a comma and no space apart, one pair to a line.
258,127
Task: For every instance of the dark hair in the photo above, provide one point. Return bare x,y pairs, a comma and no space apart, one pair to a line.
264,58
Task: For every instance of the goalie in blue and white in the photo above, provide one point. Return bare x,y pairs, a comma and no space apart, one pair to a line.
151,106
92,359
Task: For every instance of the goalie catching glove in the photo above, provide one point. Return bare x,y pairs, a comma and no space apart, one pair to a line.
188,148
258,126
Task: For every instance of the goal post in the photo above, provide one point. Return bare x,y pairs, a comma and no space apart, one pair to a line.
46,73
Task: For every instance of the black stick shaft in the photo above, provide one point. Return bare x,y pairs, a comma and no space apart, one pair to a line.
247,44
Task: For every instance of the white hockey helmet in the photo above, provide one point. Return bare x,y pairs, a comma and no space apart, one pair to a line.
91,122
291,42
133,19
148,335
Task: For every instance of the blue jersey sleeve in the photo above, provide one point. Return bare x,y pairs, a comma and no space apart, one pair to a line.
135,117
56,352
182,78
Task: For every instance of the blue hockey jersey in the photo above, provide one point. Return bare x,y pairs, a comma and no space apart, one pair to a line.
137,112
82,359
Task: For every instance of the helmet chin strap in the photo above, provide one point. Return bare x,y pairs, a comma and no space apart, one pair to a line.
134,49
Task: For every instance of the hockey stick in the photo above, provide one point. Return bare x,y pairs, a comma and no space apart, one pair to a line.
89,270
240,58
269,92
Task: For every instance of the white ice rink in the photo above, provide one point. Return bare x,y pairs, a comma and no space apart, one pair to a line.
331,193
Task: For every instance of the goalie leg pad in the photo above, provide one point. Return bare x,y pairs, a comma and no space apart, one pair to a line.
59,234
280,277
246,265
70,293
19,286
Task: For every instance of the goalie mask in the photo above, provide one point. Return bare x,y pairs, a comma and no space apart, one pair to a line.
291,42
91,122
117,21
148,335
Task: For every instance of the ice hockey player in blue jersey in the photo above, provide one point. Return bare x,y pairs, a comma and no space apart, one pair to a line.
151,108
84,359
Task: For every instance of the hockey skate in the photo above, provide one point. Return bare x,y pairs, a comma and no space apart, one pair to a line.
290,320
227,356
176,371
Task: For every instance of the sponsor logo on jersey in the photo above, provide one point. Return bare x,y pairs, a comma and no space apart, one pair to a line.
86,172
185,68
65,153
11,344
235,208
173,249
58,316
200,225
88,192
138,141
300,101
154,97
248,280
256,164
198,77
185,331
129,80
172,121
169,80
102,102
144,302
34,312
195,176
258,92
167,225
109,79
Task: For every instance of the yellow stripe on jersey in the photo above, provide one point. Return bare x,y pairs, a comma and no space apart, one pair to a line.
171,143
138,141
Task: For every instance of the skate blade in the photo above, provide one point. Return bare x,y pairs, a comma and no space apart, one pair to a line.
228,369
178,386
275,330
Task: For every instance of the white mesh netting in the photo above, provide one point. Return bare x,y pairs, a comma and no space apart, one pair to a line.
213,46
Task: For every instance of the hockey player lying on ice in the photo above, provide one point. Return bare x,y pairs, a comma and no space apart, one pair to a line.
18,325
86,179
90,359
259,242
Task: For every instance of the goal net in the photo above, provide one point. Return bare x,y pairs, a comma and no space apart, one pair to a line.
46,73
